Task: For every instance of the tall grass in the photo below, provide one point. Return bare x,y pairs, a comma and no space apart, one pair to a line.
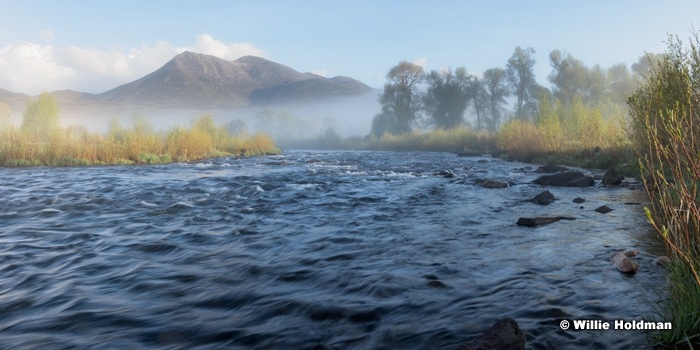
575,135
136,144
666,129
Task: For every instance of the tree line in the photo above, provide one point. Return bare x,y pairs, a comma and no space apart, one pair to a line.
440,98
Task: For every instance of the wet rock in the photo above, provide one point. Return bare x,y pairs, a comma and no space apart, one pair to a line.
566,179
436,284
662,260
543,220
603,209
447,173
623,262
490,183
550,169
544,198
579,200
612,178
504,335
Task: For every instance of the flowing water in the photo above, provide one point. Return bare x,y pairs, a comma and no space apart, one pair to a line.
324,250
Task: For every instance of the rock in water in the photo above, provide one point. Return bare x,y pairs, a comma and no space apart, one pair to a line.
611,178
536,221
488,183
579,200
622,261
549,169
544,198
567,179
603,209
504,335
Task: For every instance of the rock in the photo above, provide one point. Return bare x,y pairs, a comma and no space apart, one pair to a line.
536,221
611,178
489,183
504,335
662,260
622,261
603,209
447,173
549,169
567,179
544,198
579,200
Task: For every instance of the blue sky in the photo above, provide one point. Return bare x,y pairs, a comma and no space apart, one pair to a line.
96,45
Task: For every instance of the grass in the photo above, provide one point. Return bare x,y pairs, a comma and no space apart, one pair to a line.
138,144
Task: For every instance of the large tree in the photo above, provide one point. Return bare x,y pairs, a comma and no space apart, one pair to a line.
519,71
496,87
401,99
446,98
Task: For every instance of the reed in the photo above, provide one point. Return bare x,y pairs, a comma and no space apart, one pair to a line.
666,129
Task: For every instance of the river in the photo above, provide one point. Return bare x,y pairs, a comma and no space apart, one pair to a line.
312,250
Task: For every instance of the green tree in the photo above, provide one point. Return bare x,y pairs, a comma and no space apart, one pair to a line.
621,85
480,102
496,94
41,118
401,97
569,77
446,98
519,71
384,123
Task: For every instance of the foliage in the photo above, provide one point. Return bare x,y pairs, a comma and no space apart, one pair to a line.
666,129
519,72
401,98
496,92
446,98
40,120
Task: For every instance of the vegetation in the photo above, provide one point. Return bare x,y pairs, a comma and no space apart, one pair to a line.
666,129
42,141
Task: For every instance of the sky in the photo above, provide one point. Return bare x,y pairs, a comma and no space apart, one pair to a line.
94,46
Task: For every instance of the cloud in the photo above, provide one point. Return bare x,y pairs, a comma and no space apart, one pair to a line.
207,45
32,68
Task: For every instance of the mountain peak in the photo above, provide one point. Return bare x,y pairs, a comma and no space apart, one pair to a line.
199,80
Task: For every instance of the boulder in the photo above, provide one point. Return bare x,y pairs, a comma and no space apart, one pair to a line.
490,183
504,335
622,261
543,220
612,178
566,179
579,200
603,209
544,198
549,169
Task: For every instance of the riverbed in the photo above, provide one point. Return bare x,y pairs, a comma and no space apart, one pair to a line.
310,249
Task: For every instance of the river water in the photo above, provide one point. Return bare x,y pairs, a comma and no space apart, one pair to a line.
322,250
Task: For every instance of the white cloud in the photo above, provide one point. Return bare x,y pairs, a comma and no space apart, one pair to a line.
31,68
207,45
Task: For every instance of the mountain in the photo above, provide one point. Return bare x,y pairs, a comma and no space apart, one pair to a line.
198,80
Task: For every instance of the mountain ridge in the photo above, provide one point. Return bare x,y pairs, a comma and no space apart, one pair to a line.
194,80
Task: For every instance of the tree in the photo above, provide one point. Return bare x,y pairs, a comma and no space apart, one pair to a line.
41,118
496,93
569,77
401,97
446,98
519,71
480,101
620,83
384,123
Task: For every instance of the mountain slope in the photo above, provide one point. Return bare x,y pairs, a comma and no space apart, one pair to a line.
197,80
